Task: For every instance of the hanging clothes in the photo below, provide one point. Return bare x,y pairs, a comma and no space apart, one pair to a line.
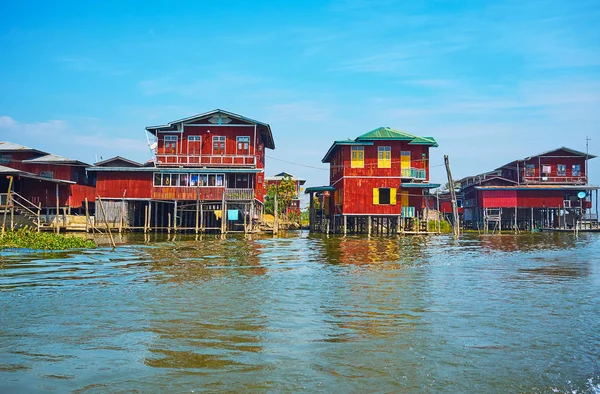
232,214
218,214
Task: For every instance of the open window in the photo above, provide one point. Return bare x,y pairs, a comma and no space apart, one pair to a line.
384,196
170,144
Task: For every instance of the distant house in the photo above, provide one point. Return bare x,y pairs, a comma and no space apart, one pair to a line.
212,161
276,179
40,177
545,190
376,181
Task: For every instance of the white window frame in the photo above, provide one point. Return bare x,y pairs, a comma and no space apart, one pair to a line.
246,140
219,139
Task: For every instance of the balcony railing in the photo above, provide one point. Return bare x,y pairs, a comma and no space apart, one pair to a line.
163,159
408,212
415,173
202,193
572,180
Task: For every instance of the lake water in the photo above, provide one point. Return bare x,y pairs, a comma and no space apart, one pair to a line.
485,314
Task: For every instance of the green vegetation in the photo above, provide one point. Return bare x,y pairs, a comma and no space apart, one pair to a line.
285,191
444,226
28,239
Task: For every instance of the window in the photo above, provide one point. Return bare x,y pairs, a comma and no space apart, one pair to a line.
170,144
561,170
358,157
530,170
220,180
243,145
47,174
384,196
576,171
5,159
183,179
194,145
218,145
384,157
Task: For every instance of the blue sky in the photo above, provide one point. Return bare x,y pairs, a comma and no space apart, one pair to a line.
491,81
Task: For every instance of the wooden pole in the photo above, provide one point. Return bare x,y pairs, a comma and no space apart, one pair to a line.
197,205
311,210
531,219
87,216
276,214
149,216
345,224
112,241
223,215
175,217
169,223
39,215
145,219
369,225
245,214
202,217
10,183
57,209
455,225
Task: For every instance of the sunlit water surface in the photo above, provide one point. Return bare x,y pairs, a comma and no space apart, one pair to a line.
492,314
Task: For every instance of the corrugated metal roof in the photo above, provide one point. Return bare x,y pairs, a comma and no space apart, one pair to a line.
24,174
539,187
9,170
50,158
11,146
279,177
387,133
335,144
177,170
419,185
270,143
316,189
117,158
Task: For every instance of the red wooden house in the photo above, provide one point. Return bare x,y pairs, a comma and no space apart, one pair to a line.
40,178
275,180
547,190
379,177
212,162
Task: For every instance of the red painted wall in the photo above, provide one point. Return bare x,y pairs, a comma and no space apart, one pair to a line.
497,198
78,194
231,132
114,184
540,198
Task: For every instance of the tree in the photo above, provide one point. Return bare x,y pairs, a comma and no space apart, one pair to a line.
285,191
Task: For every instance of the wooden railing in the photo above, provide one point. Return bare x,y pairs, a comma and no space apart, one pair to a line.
164,159
573,180
202,193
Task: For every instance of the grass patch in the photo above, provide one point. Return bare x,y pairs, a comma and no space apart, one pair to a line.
28,239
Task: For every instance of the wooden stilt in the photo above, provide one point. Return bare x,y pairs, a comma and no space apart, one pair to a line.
112,241
197,206
175,217
87,216
169,223
149,226
145,219
369,225
57,210
6,205
39,217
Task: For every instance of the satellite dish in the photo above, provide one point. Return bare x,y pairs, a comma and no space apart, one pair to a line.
153,145
581,194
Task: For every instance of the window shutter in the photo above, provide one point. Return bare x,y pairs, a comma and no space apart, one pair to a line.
375,196
392,196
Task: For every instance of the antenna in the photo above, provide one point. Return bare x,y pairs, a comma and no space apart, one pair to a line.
587,142
153,145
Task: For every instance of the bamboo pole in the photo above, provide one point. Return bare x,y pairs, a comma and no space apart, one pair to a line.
57,209
175,217
223,215
197,205
87,216
169,223
149,216
39,214
10,183
112,241
145,219
455,225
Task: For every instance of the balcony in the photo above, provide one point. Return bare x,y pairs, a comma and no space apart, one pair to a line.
414,173
553,179
202,193
170,160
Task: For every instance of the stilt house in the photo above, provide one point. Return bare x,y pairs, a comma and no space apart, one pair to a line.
207,174
43,183
275,180
546,190
377,183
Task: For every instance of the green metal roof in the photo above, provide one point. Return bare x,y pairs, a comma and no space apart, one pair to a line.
316,189
387,133
420,185
335,144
